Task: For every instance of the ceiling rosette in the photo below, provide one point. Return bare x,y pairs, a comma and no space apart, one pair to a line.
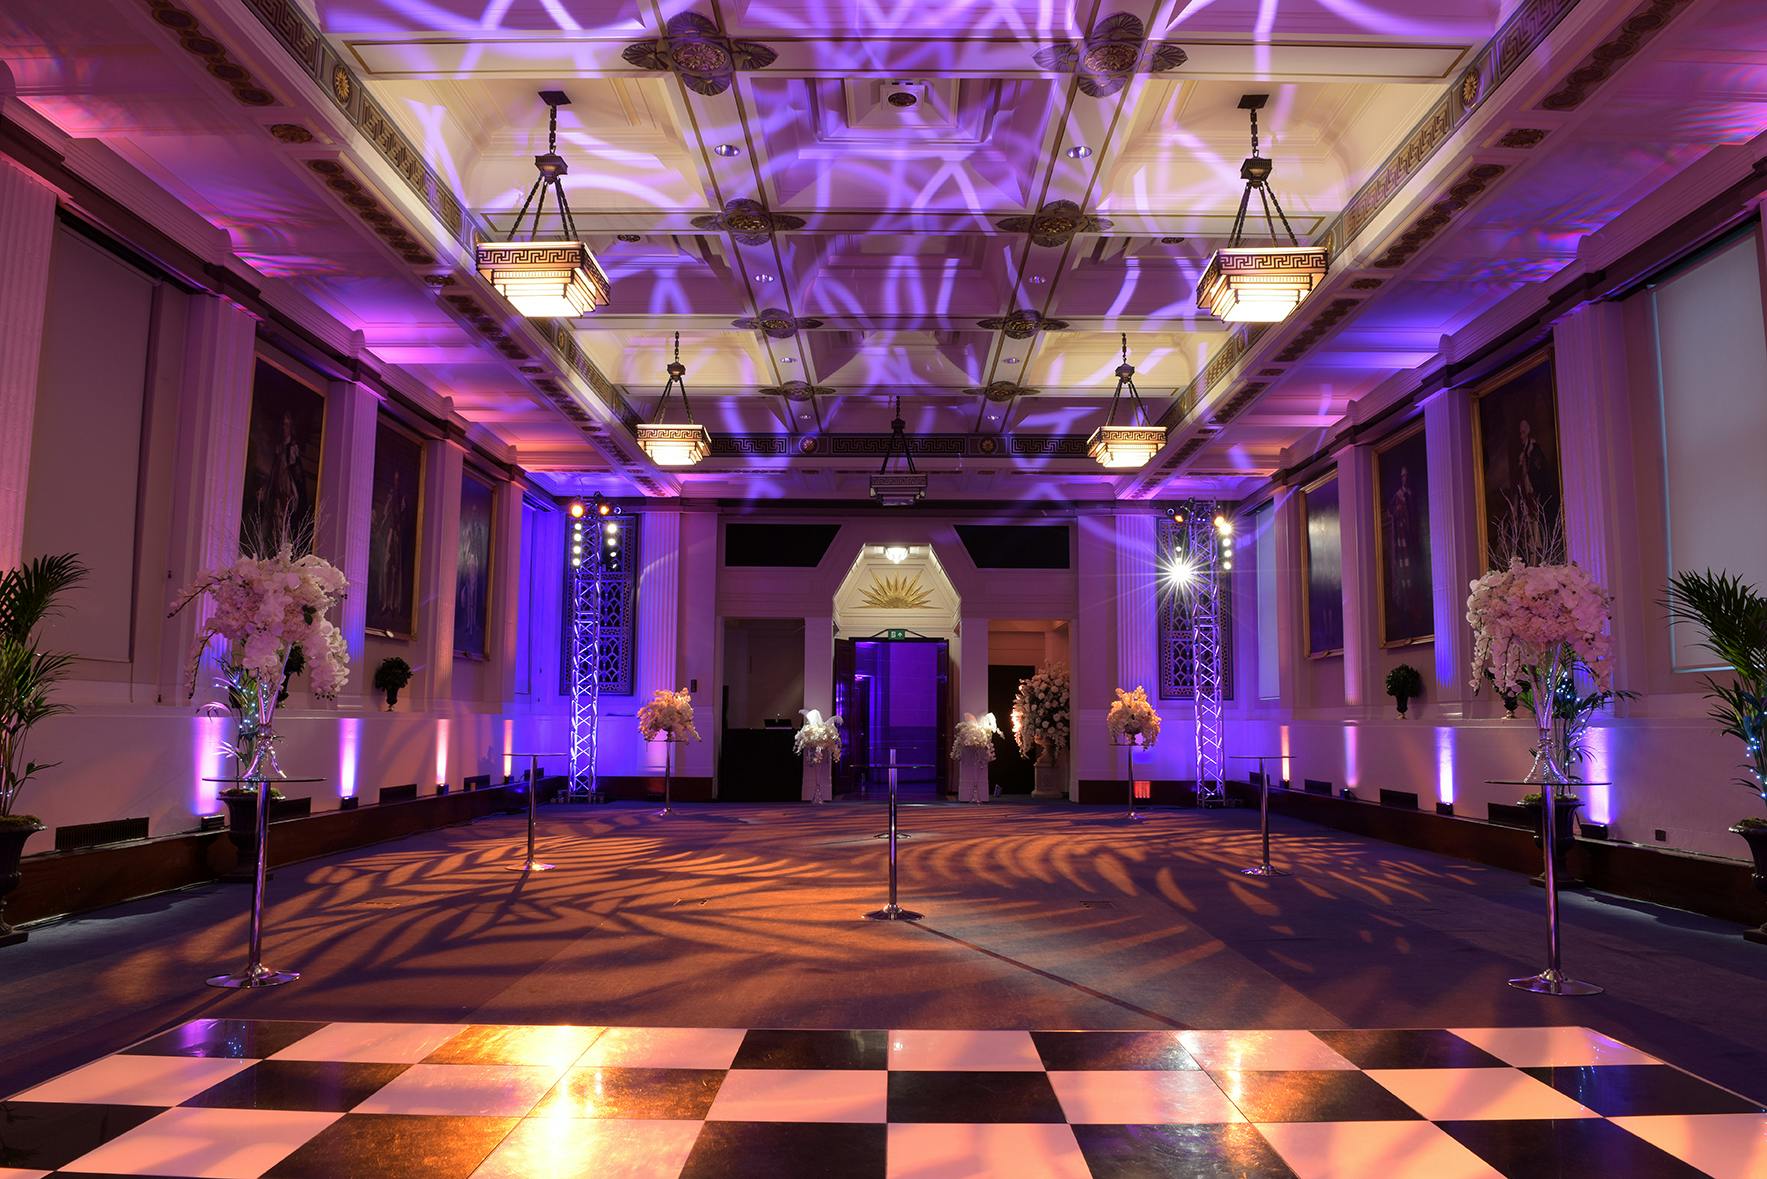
1022,324
776,323
1055,224
797,391
1001,391
699,54
1116,49
748,222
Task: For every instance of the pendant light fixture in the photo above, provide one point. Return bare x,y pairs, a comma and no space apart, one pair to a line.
1124,447
1259,284
674,445
903,488
553,277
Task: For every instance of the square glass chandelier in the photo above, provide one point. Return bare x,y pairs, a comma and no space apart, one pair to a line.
1128,447
901,488
674,444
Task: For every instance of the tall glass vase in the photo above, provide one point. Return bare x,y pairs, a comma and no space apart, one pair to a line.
254,745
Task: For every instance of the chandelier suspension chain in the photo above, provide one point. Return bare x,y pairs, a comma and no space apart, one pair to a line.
897,428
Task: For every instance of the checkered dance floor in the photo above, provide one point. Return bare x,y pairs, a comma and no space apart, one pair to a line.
369,1100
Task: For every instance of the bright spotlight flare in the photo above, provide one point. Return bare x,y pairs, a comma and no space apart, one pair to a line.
1179,571
550,278
1259,284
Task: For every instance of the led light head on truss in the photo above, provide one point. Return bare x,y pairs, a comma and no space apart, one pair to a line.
680,445
1130,446
1259,284
545,276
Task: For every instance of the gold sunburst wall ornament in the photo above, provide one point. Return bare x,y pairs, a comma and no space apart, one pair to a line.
900,592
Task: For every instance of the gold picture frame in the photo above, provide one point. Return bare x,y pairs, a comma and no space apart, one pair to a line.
1307,569
1393,441
392,425
1480,395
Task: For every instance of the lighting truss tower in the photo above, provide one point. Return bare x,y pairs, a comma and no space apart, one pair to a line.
1207,538
583,551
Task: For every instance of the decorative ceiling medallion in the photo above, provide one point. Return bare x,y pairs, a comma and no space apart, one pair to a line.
213,54
1460,194
1001,391
703,58
1116,49
290,133
748,222
439,280
370,210
1022,324
1644,23
776,323
797,390
900,591
1055,224
1469,87
342,86
1522,137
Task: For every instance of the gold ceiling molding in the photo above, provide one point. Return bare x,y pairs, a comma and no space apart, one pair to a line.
1115,50
776,323
1521,137
796,391
1055,224
897,592
215,56
698,53
1001,391
1459,195
1022,324
362,202
748,222
1640,26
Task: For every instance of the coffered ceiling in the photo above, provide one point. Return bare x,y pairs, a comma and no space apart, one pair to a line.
965,205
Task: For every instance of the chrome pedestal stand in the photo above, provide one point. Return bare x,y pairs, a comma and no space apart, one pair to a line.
1553,980
1134,816
1263,867
530,864
256,974
892,911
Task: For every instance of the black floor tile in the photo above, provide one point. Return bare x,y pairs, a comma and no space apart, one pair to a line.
592,1091
395,1146
813,1049
43,1135
787,1150
1311,1095
323,1086
231,1039
1618,1090
973,1097
1407,1048
1571,1148
1195,1152
1111,1051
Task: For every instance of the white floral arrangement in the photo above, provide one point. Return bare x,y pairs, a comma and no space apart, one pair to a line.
265,607
817,739
975,735
1040,711
668,712
1528,619
1132,719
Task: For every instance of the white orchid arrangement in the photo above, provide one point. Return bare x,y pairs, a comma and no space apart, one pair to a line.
1132,719
668,712
1040,711
816,738
264,609
975,735
1528,619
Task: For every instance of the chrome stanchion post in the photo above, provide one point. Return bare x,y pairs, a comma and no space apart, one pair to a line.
892,911
1552,980
530,864
1263,867
1129,760
256,974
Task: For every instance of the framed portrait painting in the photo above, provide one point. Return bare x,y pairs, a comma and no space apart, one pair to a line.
472,580
1323,556
1402,539
283,442
395,501
1521,504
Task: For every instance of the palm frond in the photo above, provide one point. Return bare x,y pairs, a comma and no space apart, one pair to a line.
29,594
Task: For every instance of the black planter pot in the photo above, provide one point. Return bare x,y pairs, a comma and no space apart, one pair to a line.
1757,840
1404,703
392,698
1564,811
12,847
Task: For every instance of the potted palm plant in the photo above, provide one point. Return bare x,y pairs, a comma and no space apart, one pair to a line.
1732,615
1404,684
29,594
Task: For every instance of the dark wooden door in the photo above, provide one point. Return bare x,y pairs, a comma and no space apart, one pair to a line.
854,710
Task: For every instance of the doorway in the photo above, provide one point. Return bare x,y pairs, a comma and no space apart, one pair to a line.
894,696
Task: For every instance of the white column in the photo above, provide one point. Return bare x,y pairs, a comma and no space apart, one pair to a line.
1595,455
658,656
1291,657
27,236
699,639
346,492
1094,650
1361,612
1137,605
1455,559
506,593
213,421
438,561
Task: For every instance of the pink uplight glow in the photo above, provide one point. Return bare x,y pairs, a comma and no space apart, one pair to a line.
442,727
1445,764
209,761
508,747
1350,759
349,744
1598,801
